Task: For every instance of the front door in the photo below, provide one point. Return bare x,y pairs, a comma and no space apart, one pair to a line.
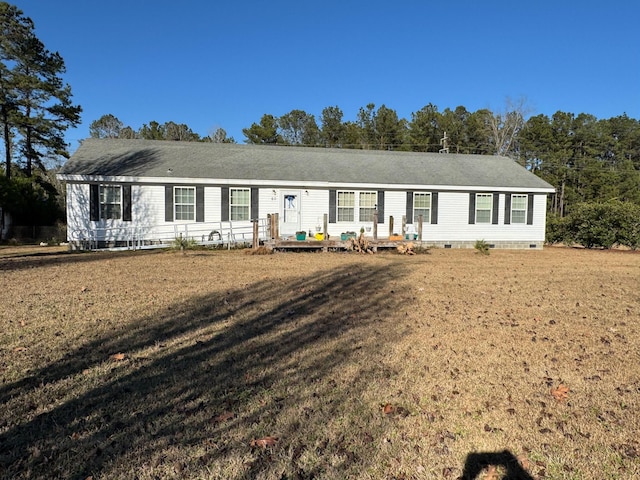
290,221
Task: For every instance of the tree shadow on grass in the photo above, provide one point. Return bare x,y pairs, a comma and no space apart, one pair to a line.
15,262
201,380
477,462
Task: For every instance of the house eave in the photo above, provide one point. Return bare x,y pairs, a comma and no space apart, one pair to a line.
290,184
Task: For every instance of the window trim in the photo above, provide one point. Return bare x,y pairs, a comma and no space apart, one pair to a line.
343,208
356,207
490,209
373,194
425,219
522,211
245,206
175,204
102,204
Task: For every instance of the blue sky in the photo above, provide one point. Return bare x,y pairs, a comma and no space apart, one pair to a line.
211,63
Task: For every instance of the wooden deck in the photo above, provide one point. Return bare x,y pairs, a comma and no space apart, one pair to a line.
331,245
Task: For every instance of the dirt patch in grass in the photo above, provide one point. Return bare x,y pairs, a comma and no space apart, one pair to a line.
219,364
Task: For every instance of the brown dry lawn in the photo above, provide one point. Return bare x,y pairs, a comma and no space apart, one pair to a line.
223,365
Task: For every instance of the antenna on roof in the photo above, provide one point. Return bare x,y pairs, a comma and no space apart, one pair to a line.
443,142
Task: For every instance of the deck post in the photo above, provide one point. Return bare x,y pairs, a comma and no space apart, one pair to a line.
325,226
255,235
275,226
404,225
420,219
375,225
391,225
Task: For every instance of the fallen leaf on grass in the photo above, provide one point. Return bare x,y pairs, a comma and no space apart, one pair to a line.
223,417
561,393
389,409
118,357
264,442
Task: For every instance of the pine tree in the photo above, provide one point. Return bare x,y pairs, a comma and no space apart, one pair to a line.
36,106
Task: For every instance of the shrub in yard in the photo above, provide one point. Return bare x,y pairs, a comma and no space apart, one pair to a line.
604,224
557,230
628,215
482,247
591,225
183,243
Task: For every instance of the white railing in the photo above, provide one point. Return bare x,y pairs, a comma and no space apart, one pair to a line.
161,236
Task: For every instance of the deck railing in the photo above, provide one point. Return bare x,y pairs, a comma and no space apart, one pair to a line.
229,234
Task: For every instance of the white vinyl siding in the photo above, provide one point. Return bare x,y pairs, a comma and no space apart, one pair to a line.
184,203
484,205
346,206
239,204
314,208
519,208
422,206
110,202
367,205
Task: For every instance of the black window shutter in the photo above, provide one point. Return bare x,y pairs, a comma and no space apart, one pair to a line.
255,211
332,206
200,203
507,208
168,203
472,208
380,206
530,210
496,203
126,203
409,207
434,208
224,214
94,202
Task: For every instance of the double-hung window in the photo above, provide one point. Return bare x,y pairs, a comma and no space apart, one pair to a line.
367,205
110,202
422,206
346,206
484,204
519,208
184,199
350,203
240,204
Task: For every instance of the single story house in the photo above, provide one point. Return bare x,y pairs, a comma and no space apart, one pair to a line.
119,191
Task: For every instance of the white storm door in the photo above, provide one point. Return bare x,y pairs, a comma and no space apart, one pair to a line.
290,221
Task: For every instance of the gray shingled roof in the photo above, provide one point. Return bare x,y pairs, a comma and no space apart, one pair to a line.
148,158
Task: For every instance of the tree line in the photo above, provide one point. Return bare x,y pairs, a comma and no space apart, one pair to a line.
110,126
